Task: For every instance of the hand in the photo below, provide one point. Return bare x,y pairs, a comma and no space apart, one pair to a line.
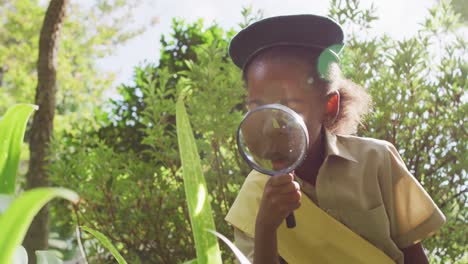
281,196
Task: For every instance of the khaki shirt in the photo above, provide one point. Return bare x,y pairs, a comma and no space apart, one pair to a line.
364,184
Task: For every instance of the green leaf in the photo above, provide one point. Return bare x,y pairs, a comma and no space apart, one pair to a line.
12,128
241,257
201,218
47,257
193,261
19,215
106,243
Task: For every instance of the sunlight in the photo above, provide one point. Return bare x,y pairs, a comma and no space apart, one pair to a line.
201,199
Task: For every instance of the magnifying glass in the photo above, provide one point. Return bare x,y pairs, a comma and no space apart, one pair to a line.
273,140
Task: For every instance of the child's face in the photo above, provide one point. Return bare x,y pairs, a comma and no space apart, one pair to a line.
289,81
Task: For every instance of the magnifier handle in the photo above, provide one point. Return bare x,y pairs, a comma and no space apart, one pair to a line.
291,220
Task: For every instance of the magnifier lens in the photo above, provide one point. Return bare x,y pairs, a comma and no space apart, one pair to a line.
273,139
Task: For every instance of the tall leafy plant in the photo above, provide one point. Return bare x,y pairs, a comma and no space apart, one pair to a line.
201,218
12,128
201,214
18,212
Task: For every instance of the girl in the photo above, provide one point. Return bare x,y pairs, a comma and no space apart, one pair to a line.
361,182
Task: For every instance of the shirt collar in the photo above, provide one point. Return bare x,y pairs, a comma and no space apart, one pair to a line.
335,148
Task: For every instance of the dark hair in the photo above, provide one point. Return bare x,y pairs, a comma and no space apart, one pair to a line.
355,101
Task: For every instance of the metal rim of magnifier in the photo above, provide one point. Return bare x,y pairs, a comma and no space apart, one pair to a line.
304,130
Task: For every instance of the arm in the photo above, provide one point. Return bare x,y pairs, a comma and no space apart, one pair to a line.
266,248
246,244
415,254
415,216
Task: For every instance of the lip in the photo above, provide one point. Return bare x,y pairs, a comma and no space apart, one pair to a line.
279,165
279,162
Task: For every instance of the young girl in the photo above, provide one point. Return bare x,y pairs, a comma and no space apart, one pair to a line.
361,182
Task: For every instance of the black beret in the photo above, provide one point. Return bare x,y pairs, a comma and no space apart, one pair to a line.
311,31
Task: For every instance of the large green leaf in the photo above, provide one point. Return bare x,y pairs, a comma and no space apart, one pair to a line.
12,127
15,221
201,218
106,243
239,255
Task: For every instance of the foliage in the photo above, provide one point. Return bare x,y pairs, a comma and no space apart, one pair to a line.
12,128
93,165
419,89
87,34
239,255
106,243
120,190
19,212
127,168
250,16
124,132
460,7
215,107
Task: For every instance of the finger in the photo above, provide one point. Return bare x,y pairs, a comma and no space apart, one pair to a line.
281,179
288,187
286,199
291,197
288,203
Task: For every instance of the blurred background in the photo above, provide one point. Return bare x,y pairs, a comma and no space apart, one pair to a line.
120,66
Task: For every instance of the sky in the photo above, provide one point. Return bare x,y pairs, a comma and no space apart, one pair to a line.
397,18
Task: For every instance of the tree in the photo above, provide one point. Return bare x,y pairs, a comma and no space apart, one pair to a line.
75,87
88,34
42,126
19,40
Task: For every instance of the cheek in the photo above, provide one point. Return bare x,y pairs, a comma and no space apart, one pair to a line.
313,117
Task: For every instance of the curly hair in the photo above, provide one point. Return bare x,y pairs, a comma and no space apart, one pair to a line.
355,102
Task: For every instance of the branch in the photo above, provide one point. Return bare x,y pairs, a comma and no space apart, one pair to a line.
453,197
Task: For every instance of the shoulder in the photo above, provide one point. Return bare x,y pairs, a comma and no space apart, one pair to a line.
252,188
367,142
365,147
243,211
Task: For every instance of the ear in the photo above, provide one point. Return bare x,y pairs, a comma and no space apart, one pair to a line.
333,106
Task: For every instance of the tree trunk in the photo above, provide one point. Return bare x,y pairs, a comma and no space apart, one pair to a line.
42,126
